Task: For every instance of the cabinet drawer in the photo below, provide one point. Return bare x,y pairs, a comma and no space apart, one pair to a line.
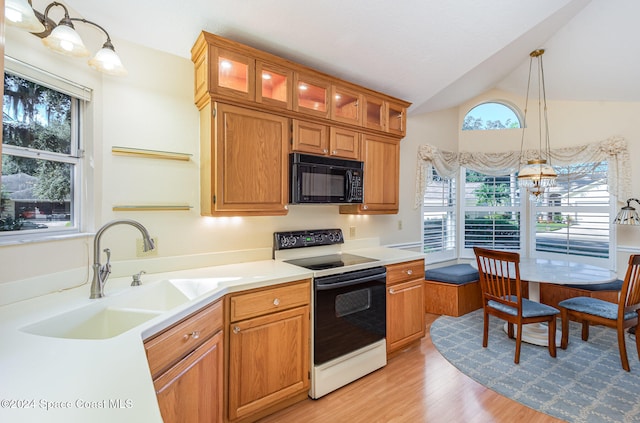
262,302
176,342
406,271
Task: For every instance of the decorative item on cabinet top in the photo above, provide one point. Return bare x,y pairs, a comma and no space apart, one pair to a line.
150,154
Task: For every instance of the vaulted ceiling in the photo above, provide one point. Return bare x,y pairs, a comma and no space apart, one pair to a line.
433,53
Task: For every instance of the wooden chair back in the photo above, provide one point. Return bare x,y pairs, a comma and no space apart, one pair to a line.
630,292
500,277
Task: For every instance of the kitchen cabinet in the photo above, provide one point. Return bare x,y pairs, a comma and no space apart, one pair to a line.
374,113
314,138
381,156
405,304
244,161
326,115
274,85
346,105
268,344
396,120
186,365
311,95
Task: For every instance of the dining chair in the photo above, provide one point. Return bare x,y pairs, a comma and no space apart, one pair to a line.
502,297
587,310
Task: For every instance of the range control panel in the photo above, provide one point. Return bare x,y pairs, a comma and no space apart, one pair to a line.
307,238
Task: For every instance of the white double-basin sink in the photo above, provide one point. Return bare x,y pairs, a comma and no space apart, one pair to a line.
111,316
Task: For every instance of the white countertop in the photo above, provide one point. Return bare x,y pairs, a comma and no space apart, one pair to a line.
46,379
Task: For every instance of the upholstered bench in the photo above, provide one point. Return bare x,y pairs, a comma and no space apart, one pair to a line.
552,294
452,290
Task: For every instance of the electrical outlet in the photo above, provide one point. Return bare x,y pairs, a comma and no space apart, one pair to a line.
140,248
352,231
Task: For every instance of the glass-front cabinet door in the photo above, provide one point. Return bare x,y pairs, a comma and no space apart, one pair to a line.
374,113
234,74
274,85
346,105
311,96
396,119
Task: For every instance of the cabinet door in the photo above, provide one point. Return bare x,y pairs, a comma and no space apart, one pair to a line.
381,174
251,163
268,360
396,119
233,74
344,143
311,96
274,85
310,137
346,105
405,314
374,113
191,390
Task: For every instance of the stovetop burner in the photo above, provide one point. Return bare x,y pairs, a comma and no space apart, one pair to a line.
329,261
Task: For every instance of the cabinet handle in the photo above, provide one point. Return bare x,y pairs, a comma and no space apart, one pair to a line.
236,329
276,302
365,207
409,272
325,151
392,291
195,335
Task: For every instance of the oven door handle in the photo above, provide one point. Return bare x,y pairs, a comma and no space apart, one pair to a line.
320,286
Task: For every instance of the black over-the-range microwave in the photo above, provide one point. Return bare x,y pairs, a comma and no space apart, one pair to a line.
325,180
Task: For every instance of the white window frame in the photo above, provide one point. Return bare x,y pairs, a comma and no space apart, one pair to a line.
467,253
449,253
81,96
610,208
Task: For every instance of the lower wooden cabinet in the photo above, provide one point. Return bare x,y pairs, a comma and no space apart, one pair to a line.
405,304
268,351
186,363
191,391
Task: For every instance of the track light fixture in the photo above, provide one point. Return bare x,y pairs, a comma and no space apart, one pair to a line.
62,37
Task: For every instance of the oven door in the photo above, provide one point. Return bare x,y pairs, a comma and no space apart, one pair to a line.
349,312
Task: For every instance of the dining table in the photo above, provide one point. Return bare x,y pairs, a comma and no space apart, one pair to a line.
558,271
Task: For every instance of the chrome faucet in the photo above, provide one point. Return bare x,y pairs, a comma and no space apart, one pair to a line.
101,272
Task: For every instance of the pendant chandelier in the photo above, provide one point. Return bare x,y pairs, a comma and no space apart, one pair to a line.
62,38
538,174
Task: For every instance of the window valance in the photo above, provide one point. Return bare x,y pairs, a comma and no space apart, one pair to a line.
447,163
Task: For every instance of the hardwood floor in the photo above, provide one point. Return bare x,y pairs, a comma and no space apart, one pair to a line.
417,385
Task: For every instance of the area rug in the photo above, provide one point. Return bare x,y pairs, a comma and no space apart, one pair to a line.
584,383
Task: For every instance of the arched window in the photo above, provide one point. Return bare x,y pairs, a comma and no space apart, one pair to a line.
492,115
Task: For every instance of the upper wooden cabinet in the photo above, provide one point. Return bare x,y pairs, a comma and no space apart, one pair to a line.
346,105
243,161
396,119
311,95
374,113
262,98
274,85
315,138
381,156
232,72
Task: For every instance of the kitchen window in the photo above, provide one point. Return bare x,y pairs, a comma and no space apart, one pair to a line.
41,154
574,217
439,218
570,219
491,211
